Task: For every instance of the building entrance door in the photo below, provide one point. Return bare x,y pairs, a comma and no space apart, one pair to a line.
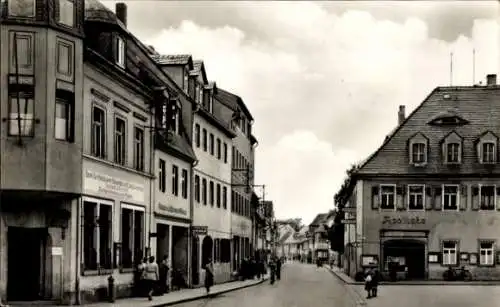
408,254
25,263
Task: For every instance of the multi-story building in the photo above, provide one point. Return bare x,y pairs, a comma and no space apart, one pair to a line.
242,182
428,198
211,141
320,245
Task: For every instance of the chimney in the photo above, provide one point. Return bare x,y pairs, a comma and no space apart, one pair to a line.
401,115
121,12
491,79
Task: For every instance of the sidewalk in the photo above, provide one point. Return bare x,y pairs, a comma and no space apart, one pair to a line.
348,280
177,297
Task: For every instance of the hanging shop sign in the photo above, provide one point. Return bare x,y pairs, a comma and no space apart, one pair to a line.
403,220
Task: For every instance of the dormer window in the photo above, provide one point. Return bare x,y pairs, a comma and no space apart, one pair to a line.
186,81
21,8
200,94
196,95
418,149
452,148
452,153
487,148
120,52
211,103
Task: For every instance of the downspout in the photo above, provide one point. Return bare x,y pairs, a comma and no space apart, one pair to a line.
152,123
77,262
191,206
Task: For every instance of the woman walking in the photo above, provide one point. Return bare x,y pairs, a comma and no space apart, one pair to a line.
209,275
151,277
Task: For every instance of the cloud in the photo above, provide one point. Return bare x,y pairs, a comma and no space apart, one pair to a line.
339,78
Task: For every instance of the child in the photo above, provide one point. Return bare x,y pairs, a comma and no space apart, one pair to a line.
368,283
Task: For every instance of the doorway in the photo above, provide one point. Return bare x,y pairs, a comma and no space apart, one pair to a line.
195,251
25,263
408,254
162,241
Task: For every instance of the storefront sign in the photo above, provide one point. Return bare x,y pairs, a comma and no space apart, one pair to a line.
103,185
403,220
172,209
199,230
57,251
348,221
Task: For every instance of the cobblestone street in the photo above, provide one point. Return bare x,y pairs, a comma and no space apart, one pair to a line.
435,296
301,285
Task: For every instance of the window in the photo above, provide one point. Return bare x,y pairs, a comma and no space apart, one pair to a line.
65,58
120,140
204,139
418,153
200,93
97,238
64,117
388,196
232,201
164,115
449,253
211,193
204,191
98,132
132,235
416,195
184,183
488,152
175,119
21,8
197,188
120,52
66,14
138,149
452,153
224,197
219,149
450,197
21,110
225,153
175,180
186,81
162,175
210,103
196,95
197,135
212,145
218,195
486,252
488,196
22,54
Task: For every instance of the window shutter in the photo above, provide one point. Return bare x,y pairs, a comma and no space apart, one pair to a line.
497,200
463,197
478,152
438,198
375,198
400,196
410,153
475,198
428,198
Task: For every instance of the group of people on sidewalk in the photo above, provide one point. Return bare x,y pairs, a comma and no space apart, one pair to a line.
372,278
151,278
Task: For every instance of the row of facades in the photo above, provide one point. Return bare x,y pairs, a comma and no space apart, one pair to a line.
110,152
429,197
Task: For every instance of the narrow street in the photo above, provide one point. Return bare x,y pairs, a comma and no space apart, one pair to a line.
301,285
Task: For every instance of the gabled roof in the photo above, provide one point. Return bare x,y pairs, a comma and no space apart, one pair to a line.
232,101
172,59
479,105
199,68
319,219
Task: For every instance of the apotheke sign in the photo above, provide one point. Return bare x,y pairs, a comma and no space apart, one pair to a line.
403,220
99,184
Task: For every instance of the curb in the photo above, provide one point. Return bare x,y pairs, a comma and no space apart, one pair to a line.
358,298
198,297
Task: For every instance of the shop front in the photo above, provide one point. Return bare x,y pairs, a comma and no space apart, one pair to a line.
241,229
114,215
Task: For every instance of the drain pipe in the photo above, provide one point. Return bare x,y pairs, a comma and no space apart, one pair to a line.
77,267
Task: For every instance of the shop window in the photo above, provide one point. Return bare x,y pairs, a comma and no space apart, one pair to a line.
450,197
184,184
98,133
204,191
204,139
212,145
225,251
120,140
197,135
416,197
219,150
225,153
197,188
217,250
388,197
21,110
132,236
162,175
449,253
486,253
212,192
138,149
218,195
66,13
97,238
175,180
487,197
21,8
224,197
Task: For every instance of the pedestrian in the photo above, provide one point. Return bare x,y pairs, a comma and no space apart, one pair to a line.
209,275
375,281
164,268
272,268
138,277
278,268
151,277
368,282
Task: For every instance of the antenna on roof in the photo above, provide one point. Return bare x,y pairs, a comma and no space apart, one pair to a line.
473,66
451,68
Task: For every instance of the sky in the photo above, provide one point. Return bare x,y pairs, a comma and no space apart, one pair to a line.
323,80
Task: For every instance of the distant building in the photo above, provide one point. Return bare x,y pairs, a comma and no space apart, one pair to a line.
428,198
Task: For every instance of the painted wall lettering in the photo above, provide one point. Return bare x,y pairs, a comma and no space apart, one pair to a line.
403,220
